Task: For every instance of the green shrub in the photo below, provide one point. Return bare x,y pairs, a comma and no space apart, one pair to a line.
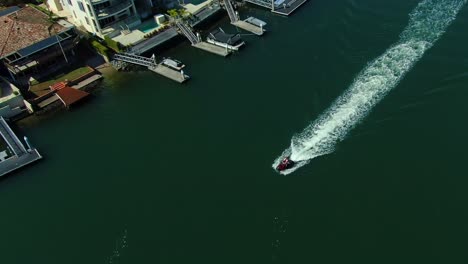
173,13
112,44
101,49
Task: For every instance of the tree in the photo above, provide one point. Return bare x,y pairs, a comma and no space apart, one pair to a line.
173,13
182,12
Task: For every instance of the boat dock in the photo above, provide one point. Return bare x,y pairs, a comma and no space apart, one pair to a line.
212,48
288,7
151,64
281,7
249,27
15,155
167,72
235,20
198,43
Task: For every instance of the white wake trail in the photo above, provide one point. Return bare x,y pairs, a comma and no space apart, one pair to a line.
427,23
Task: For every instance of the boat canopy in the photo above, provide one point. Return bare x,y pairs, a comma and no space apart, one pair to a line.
220,36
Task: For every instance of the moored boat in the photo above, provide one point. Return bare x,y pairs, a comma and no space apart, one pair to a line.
173,64
230,41
256,22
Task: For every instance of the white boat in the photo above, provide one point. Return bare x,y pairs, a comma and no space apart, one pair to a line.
230,41
256,22
173,64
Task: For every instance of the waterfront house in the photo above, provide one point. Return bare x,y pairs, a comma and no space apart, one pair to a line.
100,17
32,43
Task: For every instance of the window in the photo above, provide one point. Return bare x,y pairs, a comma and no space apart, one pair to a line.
74,14
106,21
89,10
70,2
101,6
81,6
122,17
87,20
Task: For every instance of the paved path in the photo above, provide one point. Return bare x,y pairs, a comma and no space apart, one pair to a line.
155,41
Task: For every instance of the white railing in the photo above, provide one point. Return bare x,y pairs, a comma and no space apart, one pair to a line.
135,59
231,12
264,3
194,39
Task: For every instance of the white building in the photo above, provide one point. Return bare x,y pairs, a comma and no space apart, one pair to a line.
102,17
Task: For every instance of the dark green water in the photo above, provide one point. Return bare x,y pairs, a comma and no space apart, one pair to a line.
163,173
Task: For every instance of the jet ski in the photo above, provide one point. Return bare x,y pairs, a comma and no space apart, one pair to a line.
285,164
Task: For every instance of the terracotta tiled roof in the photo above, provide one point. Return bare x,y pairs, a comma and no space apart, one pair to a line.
24,28
70,95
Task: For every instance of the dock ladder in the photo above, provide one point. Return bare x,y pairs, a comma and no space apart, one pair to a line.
187,31
231,12
136,59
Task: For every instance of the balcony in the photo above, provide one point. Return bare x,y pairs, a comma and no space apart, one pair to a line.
113,9
114,28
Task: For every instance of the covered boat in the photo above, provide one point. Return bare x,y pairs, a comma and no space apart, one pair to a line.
173,64
256,22
230,41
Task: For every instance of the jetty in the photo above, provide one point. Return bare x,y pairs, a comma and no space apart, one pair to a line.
196,41
243,24
13,154
281,7
152,65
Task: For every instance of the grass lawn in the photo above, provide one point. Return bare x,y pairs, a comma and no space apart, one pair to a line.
59,78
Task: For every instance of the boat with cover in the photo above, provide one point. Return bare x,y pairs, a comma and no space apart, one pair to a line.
256,22
230,41
173,64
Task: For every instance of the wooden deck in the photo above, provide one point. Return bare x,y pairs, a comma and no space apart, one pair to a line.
212,48
249,27
169,73
288,7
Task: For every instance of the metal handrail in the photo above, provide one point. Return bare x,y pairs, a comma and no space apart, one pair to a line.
107,11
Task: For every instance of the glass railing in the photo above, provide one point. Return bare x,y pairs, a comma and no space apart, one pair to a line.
120,24
113,9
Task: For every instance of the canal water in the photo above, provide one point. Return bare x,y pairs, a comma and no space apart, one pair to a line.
150,171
